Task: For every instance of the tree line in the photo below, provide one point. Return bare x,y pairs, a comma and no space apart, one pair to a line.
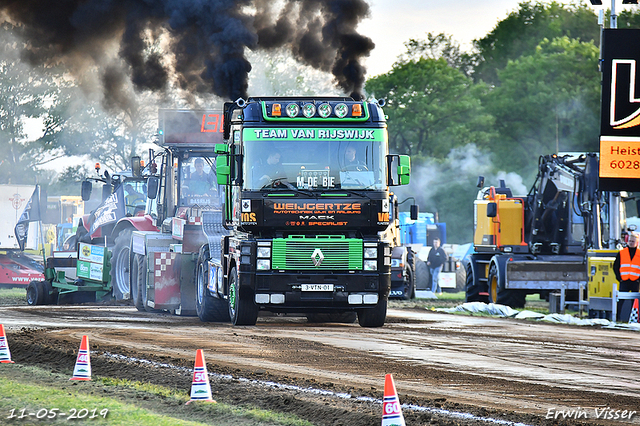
529,87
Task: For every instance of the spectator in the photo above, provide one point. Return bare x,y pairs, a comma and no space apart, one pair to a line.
627,268
435,260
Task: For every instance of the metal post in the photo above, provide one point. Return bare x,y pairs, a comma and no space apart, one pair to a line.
615,231
614,302
614,17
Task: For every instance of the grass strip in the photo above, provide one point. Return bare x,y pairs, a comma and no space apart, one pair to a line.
53,399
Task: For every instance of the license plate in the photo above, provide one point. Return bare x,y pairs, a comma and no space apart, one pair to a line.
317,287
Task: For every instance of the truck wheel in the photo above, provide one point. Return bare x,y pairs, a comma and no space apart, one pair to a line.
208,308
138,280
242,309
347,317
373,317
422,275
120,266
35,293
499,294
409,290
472,289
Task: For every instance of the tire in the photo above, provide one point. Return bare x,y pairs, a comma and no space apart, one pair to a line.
461,279
138,280
208,308
120,266
472,289
50,296
142,290
346,317
242,309
499,294
35,293
42,287
409,291
373,317
422,275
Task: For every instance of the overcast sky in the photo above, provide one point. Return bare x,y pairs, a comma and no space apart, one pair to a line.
394,22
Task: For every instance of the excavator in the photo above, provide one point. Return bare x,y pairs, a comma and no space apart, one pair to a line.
538,243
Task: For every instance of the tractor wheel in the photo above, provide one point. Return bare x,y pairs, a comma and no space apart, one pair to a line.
242,309
35,293
138,280
120,266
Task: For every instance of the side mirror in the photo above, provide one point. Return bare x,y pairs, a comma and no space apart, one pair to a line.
414,212
135,166
223,170
492,209
87,187
107,190
404,169
222,148
152,187
480,183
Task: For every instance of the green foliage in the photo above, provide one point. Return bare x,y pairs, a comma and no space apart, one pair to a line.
436,47
432,108
520,33
24,91
545,100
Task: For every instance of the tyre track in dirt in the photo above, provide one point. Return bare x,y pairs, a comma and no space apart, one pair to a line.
513,370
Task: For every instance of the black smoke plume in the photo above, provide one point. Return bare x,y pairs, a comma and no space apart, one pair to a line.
207,39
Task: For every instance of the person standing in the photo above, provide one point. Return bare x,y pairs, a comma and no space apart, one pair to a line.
435,260
627,270
627,265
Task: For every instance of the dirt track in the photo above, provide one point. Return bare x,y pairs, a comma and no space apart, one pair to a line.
491,368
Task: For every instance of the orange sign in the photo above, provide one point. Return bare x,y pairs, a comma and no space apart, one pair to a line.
620,157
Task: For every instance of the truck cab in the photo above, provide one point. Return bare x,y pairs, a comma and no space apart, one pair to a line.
307,195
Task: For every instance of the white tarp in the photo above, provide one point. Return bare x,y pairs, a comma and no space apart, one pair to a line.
506,311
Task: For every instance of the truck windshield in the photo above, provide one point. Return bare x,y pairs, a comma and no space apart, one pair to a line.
197,182
313,164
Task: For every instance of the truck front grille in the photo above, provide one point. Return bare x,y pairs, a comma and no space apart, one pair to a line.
322,252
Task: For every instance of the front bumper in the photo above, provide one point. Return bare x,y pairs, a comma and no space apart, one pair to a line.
283,292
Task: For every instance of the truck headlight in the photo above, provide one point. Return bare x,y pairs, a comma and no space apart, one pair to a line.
263,264
371,265
264,252
370,252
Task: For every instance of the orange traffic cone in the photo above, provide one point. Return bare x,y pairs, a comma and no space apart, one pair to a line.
391,411
633,318
5,354
82,370
200,387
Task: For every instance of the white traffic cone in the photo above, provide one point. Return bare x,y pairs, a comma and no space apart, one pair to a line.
391,411
200,387
82,370
5,354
